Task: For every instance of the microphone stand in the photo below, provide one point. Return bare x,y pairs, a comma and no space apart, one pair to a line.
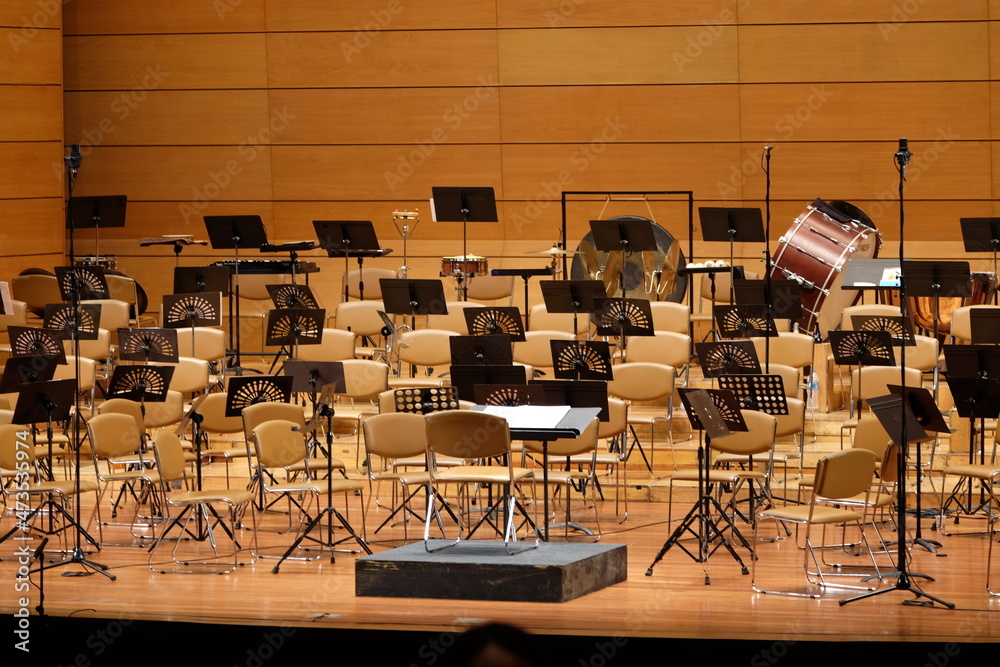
767,250
904,581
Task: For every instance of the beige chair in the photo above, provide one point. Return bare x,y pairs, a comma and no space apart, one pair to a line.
198,512
491,288
362,319
671,317
841,475
191,376
666,347
454,320
643,382
540,319
536,349
867,310
123,288
206,343
371,277
87,381
36,290
280,445
391,437
425,348
216,423
961,322
336,345
448,434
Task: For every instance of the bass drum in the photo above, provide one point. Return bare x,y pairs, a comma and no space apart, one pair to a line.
813,253
651,274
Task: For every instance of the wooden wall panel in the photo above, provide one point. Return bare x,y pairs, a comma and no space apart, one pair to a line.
188,175
214,62
31,170
381,172
679,113
427,116
112,17
30,113
31,226
394,59
774,113
27,15
589,13
167,117
586,56
366,19
818,53
32,58
889,14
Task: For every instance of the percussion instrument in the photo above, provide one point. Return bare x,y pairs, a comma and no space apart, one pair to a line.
654,275
813,253
107,262
921,308
471,265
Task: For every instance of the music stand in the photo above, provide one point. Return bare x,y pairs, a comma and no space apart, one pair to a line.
744,321
764,393
487,350
572,296
577,394
311,377
731,225
290,327
935,279
48,402
292,295
19,370
785,302
899,327
148,344
494,320
89,282
141,383
36,342
976,398
727,357
409,296
581,360
981,235
985,326
62,317
195,309
465,205
199,279
623,318
232,232
510,394
425,400
466,378
625,234
348,238
861,348
716,412
96,212
245,391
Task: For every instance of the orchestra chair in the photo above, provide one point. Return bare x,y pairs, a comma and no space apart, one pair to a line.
644,382
17,318
115,315
253,291
963,501
191,376
123,288
610,459
842,475
491,288
362,319
664,347
371,276
36,290
208,343
280,445
167,412
961,323
670,317
540,319
722,296
214,422
86,383
572,464
536,349
866,310
869,434
874,381
454,321
364,380
336,345
448,434
423,348
199,510
391,438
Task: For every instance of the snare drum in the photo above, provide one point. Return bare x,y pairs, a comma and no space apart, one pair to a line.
813,253
472,265
108,262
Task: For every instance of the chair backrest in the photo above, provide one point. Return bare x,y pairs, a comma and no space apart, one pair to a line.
163,413
123,288
253,286
454,321
115,314
874,380
868,309
124,406
336,345
758,439
467,434
190,375
16,447
666,347
536,349
258,413
871,435
670,316
791,377
642,381
490,288
789,348
617,419
36,291
364,378
279,443
584,443
923,355
88,372
844,474
395,435
360,317
169,456
113,434
425,347
208,343
540,319
371,276
97,349
214,419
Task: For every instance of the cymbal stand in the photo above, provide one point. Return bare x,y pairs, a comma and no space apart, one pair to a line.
405,231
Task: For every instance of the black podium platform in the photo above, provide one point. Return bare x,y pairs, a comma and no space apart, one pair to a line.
482,570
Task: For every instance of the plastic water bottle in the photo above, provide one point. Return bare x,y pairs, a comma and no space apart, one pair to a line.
813,402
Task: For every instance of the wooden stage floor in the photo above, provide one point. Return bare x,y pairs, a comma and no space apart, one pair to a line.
242,616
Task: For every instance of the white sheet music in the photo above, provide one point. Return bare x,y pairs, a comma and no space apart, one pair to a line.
529,416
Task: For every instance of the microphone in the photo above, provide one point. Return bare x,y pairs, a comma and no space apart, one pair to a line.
74,159
768,148
903,154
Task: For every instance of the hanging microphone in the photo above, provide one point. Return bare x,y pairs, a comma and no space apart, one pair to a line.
768,148
74,159
903,153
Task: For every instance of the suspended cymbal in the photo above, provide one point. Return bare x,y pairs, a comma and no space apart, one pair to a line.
552,251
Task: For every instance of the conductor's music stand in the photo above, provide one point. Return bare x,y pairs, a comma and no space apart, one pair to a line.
466,378
625,234
96,213
62,317
148,344
232,232
488,350
744,321
861,348
348,238
731,225
87,281
727,357
409,296
494,320
581,360
199,279
717,413
510,394
467,205
572,296
290,327
36,342
982,235
292,295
